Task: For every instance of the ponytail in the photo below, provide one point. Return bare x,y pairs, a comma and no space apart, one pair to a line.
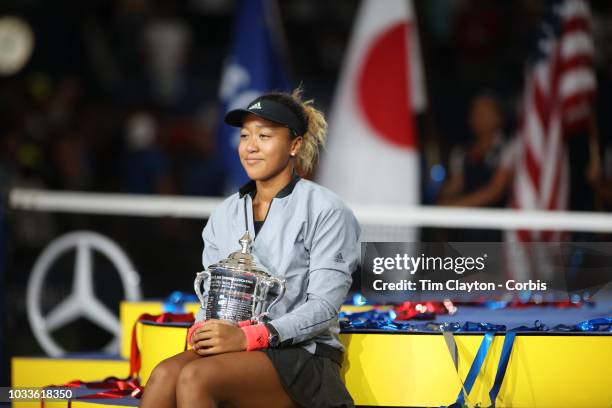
314,138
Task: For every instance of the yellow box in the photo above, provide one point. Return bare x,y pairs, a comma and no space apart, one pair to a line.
42,371
159,342
85,404
416,370
130,311
413,369
99,403
48,404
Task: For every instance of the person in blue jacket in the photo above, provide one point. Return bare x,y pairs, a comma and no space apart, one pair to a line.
304,234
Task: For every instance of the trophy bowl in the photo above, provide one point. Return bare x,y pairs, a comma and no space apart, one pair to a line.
237,288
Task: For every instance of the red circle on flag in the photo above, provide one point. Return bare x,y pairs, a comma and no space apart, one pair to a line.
383,87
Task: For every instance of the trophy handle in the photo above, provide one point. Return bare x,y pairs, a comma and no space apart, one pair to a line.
197,286
281,285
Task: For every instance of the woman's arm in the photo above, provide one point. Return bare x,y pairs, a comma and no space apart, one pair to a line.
498,185
454,184
210,253
334,254
488,194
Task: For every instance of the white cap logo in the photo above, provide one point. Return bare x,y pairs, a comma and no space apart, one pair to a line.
255,106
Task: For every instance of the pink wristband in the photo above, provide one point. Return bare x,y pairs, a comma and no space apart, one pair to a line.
256,336
245,323
192,329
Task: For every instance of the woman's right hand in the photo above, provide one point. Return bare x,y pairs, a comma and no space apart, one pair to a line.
218,336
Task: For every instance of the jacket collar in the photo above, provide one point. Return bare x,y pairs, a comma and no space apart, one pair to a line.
250,188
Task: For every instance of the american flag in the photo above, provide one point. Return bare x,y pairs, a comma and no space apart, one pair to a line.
559,90
557,100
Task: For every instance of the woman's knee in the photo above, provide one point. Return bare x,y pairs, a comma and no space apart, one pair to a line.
202,375
166,372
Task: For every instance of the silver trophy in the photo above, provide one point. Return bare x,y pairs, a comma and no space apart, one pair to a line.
237,288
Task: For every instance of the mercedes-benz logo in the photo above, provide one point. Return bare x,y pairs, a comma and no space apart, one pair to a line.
82,302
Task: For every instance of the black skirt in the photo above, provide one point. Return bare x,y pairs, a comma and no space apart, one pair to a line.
311,380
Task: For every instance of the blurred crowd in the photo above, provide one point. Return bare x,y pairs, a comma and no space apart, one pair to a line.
121,95
117,114
55,139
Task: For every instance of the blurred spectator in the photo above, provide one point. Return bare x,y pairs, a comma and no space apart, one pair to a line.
72,161
64,103
166,40
131,16
478,38
478,29
200,171
145,168
481,172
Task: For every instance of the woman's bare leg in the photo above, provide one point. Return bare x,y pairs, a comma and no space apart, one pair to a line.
241,379
160,390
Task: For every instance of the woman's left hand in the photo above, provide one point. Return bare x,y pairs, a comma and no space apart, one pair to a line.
218,336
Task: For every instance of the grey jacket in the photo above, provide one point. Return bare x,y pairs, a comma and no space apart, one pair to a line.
309,238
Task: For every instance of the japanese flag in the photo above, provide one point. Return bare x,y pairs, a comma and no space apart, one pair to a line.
372,153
